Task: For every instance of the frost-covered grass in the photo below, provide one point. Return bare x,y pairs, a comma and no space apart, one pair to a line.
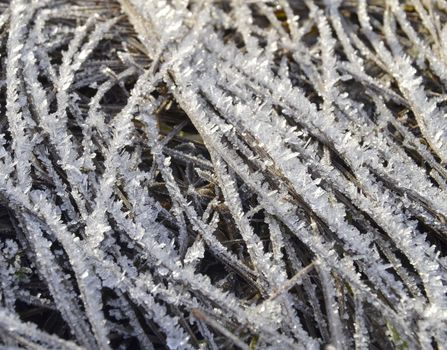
222,174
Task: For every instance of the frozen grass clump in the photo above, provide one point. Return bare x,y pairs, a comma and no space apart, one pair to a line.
212,174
